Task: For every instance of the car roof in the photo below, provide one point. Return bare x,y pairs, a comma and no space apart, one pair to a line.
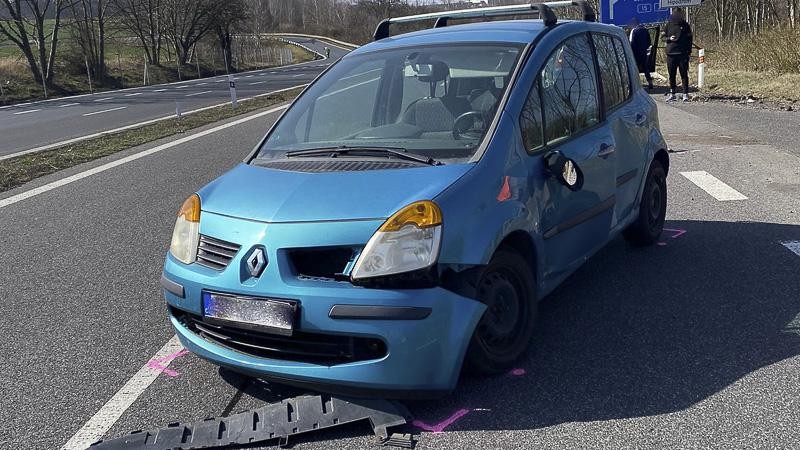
508,31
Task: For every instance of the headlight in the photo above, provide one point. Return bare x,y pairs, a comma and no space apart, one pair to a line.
186,234
407,241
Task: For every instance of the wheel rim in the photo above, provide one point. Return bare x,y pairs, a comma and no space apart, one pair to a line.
502,324
656,204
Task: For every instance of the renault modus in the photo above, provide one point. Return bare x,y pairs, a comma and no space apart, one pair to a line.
406,213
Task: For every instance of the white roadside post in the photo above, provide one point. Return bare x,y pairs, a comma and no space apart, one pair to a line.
701,68
232,84
178,110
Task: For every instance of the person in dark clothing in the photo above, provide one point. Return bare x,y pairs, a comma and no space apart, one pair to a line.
678,35
642,45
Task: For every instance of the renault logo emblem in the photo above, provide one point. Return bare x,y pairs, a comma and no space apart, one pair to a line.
256,262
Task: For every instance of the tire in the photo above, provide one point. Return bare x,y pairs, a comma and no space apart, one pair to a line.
647,227
507,286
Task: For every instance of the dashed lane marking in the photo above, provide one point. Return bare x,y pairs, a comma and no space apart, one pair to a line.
105,111
197,93
103,99
257,82
108,415
133,94
160,90
68,105
110,165
793,246
713,186
26,112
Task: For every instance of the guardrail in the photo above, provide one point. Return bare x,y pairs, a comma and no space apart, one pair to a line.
347,45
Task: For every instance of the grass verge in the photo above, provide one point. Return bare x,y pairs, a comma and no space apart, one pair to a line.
17,171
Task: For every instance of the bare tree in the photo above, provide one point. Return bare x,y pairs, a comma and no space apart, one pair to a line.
89,32
25,27
229,18
143,19
187,21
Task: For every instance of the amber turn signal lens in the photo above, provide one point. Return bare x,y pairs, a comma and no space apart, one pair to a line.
422,214
190,210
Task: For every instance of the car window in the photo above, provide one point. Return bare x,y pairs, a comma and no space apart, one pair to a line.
569,90
622,57
610,74
433,100
530,121
361,82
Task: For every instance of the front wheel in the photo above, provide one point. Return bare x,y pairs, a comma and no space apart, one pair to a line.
506,286
652,209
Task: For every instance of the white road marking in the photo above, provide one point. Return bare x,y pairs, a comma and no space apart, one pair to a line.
220,81
182,87
136,125
26,112
110,165
794,246
68,105
108,415
159,90
197,93
133,94
105,111
298,75
339,91
257,82
713,186
103,99
201,84
248,76
273,73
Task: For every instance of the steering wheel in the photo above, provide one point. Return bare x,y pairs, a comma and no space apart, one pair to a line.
466,123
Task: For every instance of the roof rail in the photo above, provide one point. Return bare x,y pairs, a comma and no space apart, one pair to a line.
545,11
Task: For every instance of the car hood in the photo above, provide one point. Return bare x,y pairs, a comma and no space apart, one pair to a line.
269,195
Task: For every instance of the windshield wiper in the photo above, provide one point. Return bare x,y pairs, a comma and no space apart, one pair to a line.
394,152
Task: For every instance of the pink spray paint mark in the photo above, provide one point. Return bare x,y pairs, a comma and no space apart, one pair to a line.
661,244
439,427
677,233
517,372
159,364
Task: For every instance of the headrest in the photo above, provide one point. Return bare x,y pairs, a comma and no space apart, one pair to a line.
439,72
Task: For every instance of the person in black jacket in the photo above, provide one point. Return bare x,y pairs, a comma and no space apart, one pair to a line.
678,35
641,44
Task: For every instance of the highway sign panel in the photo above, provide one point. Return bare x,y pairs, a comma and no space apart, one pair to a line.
620,12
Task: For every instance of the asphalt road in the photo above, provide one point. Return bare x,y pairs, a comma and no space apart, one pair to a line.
32,125
691,344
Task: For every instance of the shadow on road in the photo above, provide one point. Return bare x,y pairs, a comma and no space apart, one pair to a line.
640,331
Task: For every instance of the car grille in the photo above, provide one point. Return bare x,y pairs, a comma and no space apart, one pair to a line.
320,263
314,348
214,253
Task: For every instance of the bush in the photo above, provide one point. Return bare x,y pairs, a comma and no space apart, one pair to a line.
774,50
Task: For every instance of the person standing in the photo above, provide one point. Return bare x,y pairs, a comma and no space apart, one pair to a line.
642,45
678,35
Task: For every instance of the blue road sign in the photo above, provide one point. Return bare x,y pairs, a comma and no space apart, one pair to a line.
620,12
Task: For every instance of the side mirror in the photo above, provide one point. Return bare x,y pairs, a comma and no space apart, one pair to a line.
564,169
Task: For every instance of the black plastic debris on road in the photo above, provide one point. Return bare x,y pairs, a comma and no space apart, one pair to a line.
276,421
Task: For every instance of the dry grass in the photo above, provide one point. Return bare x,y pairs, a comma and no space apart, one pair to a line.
18,171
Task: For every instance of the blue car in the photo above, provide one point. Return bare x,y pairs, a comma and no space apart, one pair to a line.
407,212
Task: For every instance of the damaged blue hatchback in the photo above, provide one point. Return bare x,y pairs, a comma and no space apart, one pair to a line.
407,212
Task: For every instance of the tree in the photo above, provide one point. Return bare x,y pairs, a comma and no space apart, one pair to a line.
89,31
229,18
143,19
25,27
187,21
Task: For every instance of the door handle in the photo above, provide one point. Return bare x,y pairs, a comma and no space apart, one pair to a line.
641,119
605,150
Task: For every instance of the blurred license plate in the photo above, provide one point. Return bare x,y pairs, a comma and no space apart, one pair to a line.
262,314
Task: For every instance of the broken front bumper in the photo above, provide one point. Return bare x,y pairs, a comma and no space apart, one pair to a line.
423,336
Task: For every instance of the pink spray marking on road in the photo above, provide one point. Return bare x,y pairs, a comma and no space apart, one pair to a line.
517,372
678,232
160,364
439,427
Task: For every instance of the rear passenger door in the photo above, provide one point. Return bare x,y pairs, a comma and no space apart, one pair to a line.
563,113
625,120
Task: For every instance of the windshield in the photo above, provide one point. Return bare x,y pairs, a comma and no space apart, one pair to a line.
434,101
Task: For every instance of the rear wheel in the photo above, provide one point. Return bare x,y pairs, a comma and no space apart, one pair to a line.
652,210
506,285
